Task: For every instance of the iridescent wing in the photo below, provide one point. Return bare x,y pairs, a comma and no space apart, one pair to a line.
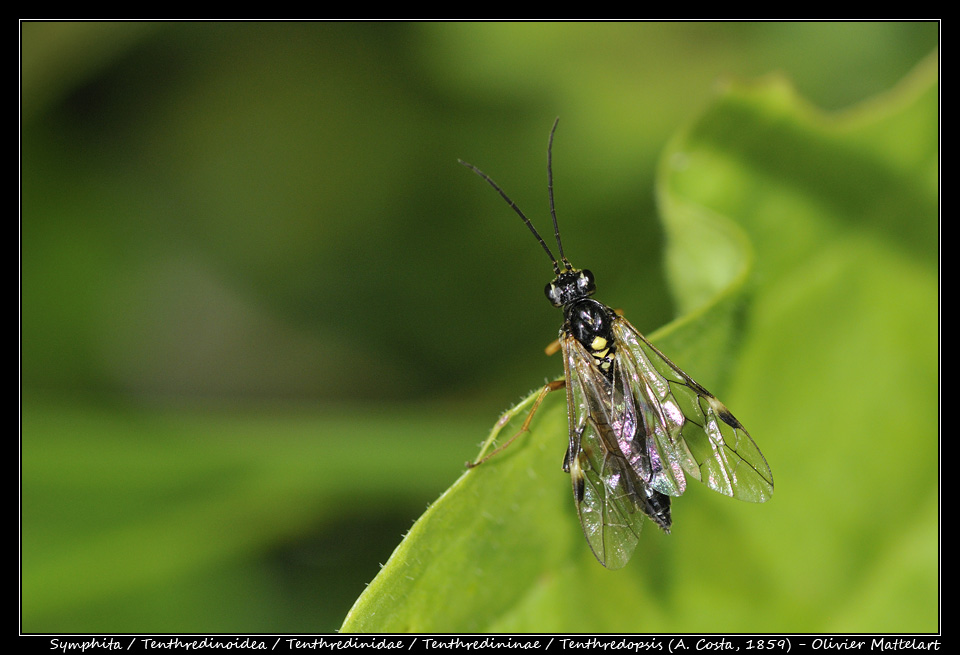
685,429
611,499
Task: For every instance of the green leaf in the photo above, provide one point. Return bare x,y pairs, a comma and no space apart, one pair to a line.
832,365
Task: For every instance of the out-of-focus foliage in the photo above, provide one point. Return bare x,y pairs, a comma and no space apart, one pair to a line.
266,316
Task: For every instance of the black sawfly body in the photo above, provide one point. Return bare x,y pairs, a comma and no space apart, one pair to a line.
638,426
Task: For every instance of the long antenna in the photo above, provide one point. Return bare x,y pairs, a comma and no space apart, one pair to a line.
513,205
553,209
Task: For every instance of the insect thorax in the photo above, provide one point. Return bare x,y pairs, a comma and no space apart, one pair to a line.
591,323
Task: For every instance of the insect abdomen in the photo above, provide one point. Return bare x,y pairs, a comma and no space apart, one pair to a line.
658,508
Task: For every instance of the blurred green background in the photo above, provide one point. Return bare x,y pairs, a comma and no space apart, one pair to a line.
266,317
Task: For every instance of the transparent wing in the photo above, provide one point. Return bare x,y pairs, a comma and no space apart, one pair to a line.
611,499
686,429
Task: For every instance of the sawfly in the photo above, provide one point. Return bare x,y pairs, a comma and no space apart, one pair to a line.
638,426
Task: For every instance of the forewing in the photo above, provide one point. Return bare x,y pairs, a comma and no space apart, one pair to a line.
604,486
649,422
687,428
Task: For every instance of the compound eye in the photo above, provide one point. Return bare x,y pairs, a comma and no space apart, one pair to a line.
585,283
554,294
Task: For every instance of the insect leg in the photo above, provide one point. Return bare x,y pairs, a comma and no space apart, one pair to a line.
509,416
